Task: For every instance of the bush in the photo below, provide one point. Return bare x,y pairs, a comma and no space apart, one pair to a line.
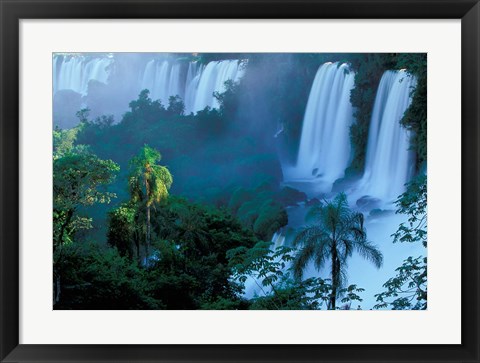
96,277
271,218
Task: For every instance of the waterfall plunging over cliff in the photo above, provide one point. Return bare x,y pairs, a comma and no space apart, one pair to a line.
72,72
163,76
195,85
212,80
194,73
389,163
324,150
163,79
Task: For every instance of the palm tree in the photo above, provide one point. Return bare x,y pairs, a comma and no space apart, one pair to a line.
149,184
336,233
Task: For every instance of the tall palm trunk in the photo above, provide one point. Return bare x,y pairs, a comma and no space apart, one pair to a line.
147,241
137,238
335,276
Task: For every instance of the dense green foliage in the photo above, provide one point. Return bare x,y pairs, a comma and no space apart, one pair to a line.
125,231
79,180
263,209
97,277
415,118
191,246
194,249
268,269
201,151
188,266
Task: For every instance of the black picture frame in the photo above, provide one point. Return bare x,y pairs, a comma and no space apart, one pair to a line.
14,10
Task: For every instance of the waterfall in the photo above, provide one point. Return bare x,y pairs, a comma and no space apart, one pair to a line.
324,150
166,78
278,239
212,80
389,162
163,79
193,77
195,83
74,72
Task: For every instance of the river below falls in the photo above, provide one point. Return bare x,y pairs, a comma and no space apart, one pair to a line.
380,226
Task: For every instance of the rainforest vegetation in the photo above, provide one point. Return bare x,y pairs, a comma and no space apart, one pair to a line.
163,207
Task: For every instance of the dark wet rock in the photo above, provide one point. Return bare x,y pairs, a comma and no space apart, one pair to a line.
342,184
368,203
290,196
312,202
377,212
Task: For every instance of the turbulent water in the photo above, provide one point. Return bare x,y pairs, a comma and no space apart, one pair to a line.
324,150
389,163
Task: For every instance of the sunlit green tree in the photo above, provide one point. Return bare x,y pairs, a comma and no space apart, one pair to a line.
79,179
149,185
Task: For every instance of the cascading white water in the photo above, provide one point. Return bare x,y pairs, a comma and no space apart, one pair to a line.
74,72
212,80
163,79
324,150
278,238
194,73
389,163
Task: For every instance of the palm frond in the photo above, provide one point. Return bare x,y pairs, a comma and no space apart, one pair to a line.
369,252
322,252
309,234
302,259
345,249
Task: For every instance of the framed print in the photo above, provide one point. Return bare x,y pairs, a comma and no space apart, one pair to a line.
236,181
